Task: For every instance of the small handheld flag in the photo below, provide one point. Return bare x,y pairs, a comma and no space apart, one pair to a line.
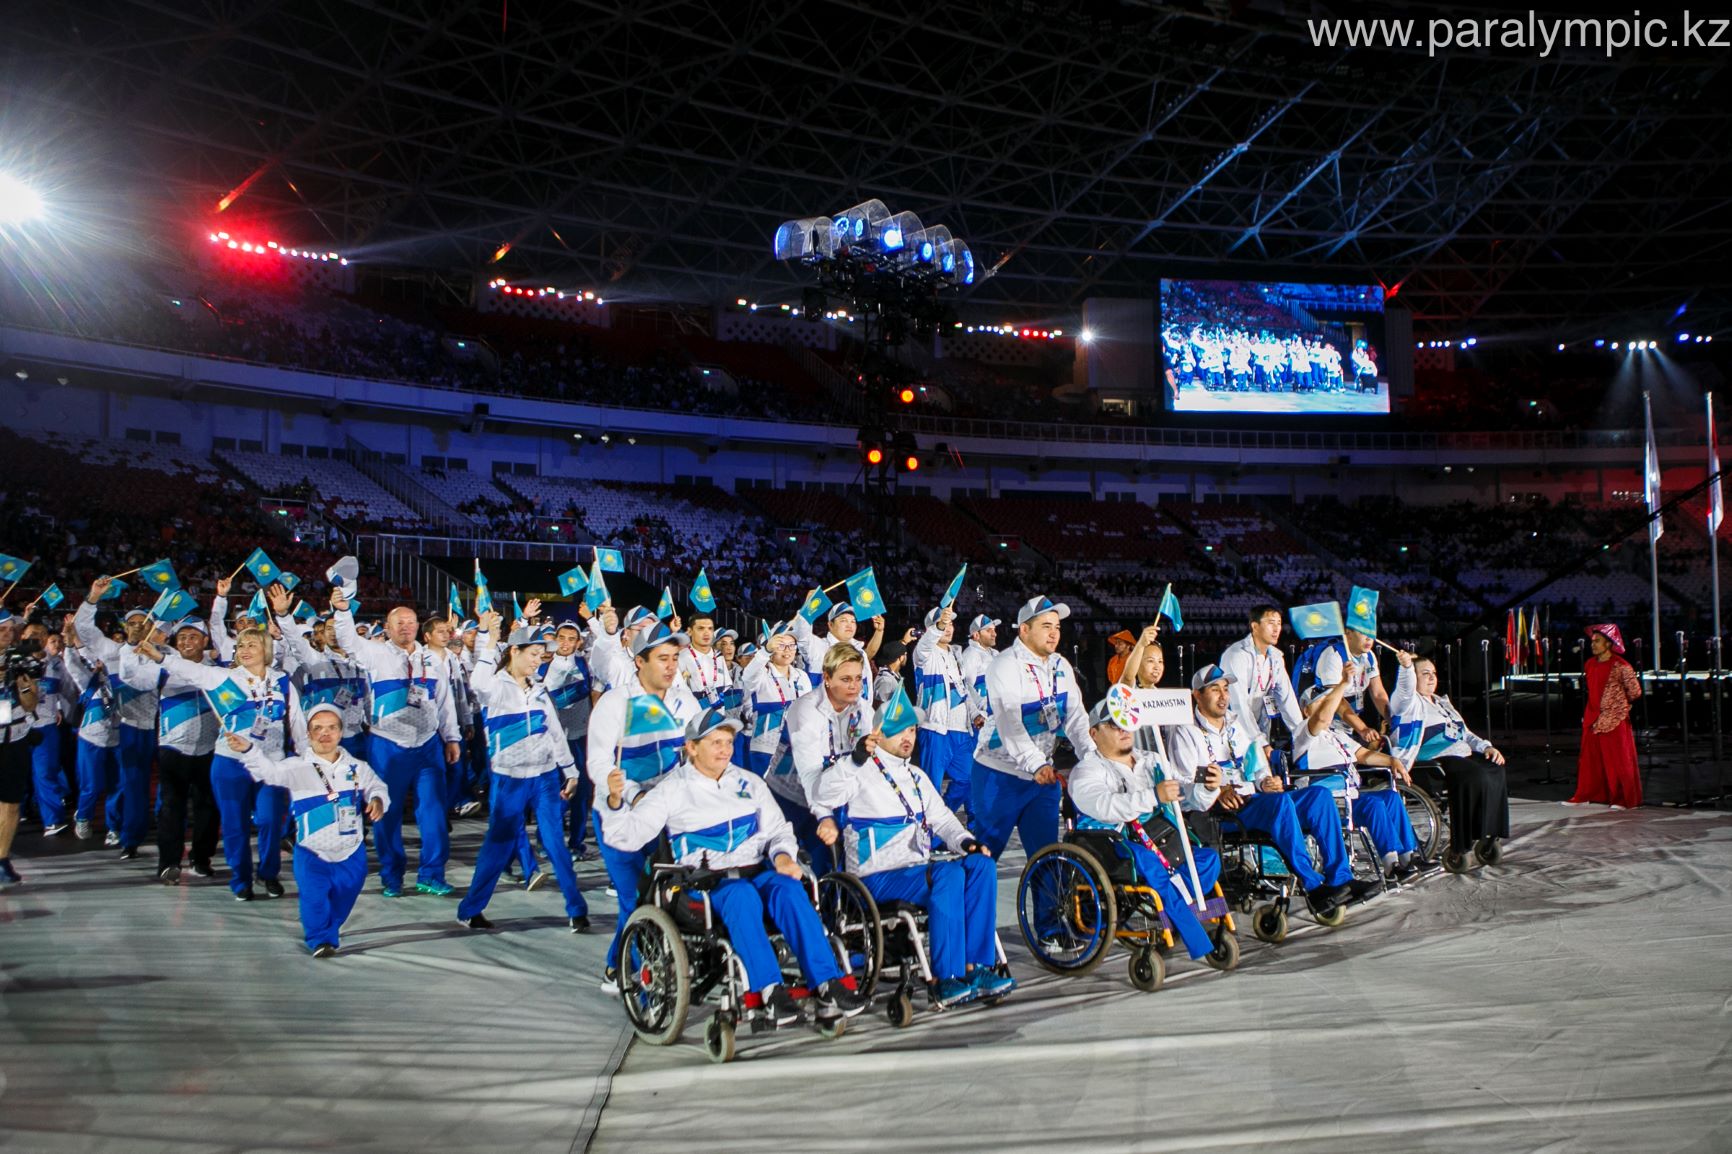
288,580
595,595
12,568
1311,622
703,600
665,607
115,588
483,596
256,609
516,607
649,714
572,581
52,597
863,594
260,565
1170,609
610,560
173,605
955,590
817,604
159,576
226,700
305,612
897,714
455,603
1362,611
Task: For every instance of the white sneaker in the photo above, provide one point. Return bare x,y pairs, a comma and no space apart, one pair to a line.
112,839
468,808
612,893
51,830
1573,804
536,880
1620,807
83,831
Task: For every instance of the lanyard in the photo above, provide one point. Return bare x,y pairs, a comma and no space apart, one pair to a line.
1039,689
1263,673
698,660
853,733
920,817
330,790
1227,735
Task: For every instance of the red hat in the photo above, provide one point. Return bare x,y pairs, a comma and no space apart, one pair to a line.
1124,635
1611,634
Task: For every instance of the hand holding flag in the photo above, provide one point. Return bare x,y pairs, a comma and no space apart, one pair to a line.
955,590
1170,609
572,581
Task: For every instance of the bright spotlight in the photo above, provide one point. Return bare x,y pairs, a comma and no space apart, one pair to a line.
18,201
1614,344
1682,337
1087,337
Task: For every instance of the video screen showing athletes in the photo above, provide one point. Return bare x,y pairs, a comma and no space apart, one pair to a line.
1257,347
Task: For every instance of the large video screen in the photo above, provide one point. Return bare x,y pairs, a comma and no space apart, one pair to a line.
1272,347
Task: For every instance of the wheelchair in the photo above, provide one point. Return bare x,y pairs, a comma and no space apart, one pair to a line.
1487,851
878,938
1090,879
674,953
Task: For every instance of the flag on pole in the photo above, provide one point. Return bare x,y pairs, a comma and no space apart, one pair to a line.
863,593
817,604
172,606
665,607
610,560
304,612
483,596
516,607
1509,638
258,610
1170,609
115,588
573,581
455,602
52,597
1716,509
263,569
703,600
1651,474
288,581
160,576
1534,632
955,590
226,700
12,568
595,593
1521,636
1311,622
1362,611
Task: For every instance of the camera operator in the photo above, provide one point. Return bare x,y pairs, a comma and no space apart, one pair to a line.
18,700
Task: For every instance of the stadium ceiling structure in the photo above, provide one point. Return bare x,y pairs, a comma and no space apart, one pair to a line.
1081,149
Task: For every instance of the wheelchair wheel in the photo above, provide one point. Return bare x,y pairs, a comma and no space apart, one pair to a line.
1148,970
719,1039
1066,909
1225,955
1489,850
1455,861
654,976
900,1009
1426,816
846,907
1269,923
1337,914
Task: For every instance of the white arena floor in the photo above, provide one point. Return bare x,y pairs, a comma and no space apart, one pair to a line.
1578,997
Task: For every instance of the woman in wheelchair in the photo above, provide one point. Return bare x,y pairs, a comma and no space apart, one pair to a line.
893,814
1326,755
1430,737
1117,787
721,817
1220,763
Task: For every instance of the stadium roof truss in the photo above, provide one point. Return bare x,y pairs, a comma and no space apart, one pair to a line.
1081,149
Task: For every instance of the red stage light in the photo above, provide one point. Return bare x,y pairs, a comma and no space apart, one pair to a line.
874,456
907,396
912,464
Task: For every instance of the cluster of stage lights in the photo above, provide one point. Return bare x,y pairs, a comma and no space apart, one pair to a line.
1643,346
1013,331
895,240
272,248
1469,343
501,285
794,310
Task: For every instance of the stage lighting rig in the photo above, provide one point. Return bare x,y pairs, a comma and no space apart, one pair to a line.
889,267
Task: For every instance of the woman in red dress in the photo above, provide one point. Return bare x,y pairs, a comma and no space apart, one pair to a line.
1606,773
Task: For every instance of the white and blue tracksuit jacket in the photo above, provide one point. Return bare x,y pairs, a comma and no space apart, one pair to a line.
133,707
1230,745
973,663
55,694
1033,701
938,680
1421,729
888,830
770,693
707,675
524,737
729,823
568,680
1261,690
97,722
325,797
645,757
271,713
817,736
326,677
185,723
397,679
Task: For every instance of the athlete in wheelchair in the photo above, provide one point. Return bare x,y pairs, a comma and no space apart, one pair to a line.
700,929
930,915
1225,775
1124,870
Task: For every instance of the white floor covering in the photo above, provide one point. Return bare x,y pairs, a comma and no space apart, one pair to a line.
1576,997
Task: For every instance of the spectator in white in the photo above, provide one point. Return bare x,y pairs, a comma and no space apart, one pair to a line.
1260,689
532,767
328,789
413,738
1034,699
822,726
186,742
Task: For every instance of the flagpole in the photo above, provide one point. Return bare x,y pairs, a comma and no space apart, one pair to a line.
1652,489
1714,564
